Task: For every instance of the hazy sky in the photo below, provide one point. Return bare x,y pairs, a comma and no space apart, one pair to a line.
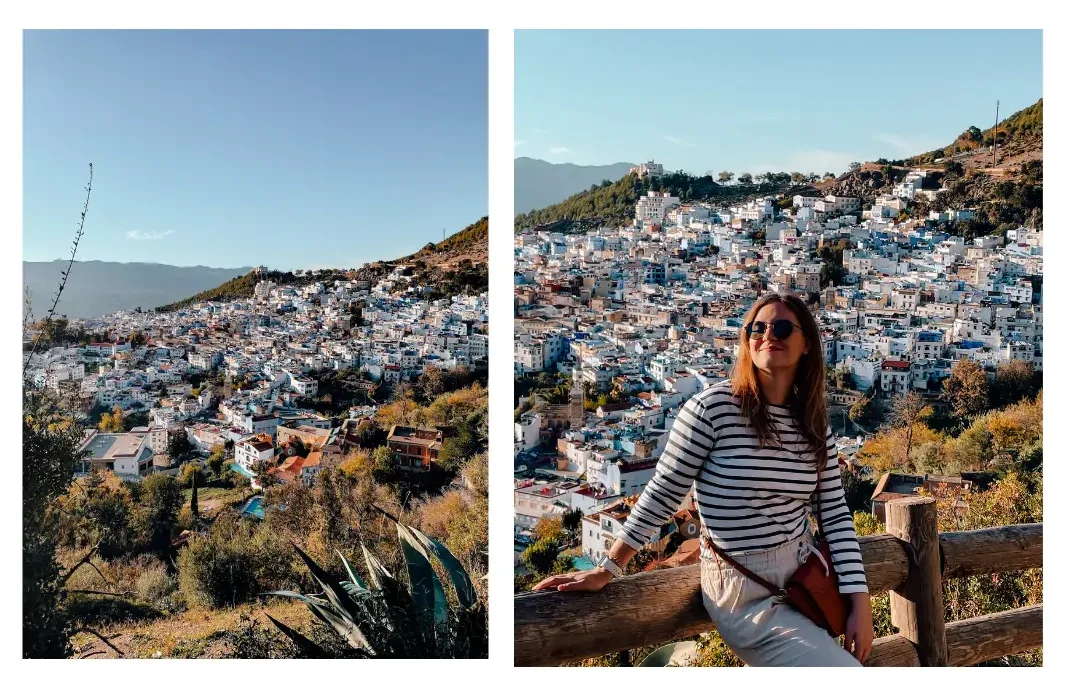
229,148
763,100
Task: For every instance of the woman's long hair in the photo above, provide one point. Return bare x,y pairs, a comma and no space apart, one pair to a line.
808,392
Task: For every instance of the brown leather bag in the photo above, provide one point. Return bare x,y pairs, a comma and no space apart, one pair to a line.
812,590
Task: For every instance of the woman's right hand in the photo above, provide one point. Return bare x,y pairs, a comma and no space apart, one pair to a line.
591,580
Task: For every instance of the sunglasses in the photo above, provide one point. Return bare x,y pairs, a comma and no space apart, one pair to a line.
781,329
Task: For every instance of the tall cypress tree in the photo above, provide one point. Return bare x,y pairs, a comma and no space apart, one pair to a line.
195,496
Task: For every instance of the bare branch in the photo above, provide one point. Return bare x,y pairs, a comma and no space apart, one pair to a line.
86,558
64,275
126,594
84,629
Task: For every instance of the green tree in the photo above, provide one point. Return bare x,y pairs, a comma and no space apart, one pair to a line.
216,462
383,460
907,411
746,179
967,389
953,170
1014,381
220,568
859,410
571,520
112,422
179,446
160,499
51,452
725,177
194,503
540,556
190,474
432,383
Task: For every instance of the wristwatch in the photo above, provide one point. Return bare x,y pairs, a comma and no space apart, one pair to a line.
608,564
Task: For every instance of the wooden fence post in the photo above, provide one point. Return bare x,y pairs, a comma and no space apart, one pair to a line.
918,611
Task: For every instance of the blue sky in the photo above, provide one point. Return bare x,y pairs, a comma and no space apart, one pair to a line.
740,100
291,149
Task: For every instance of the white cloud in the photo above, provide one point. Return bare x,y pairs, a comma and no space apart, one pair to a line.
152,235
907,146
558,150
807,161
676,140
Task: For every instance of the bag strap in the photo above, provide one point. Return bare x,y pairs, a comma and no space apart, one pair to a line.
773,589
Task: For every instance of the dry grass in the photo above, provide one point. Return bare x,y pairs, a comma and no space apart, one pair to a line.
190,634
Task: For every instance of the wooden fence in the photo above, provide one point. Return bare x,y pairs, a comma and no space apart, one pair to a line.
909,561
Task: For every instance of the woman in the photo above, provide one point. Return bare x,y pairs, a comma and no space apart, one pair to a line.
754,449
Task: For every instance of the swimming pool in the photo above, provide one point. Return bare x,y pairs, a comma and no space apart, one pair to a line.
254,508
584,564
237,468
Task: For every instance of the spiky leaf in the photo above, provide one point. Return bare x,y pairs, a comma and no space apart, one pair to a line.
422,579
306,598
466,594
379,574
334,593
309,648
353,575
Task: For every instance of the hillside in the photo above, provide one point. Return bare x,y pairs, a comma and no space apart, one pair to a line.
457,263
1019,139
243,286
99,288
1003,197
538,183
613,204
469,243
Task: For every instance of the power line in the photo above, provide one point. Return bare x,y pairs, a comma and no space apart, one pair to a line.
997,110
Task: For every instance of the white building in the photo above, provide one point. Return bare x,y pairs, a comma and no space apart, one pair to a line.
127,455
652,207
254,449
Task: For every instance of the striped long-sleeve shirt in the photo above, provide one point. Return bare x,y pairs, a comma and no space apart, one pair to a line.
748,498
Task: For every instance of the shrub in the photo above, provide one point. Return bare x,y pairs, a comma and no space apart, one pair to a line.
220,568
191,472
155,586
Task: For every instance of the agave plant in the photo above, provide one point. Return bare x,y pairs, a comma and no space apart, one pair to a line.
389,619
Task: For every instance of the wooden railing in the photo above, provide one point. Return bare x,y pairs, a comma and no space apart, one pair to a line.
910,562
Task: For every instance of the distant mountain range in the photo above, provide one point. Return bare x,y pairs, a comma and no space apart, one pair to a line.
98,288
538,183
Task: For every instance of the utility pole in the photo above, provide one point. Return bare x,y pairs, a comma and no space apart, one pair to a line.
444,234
997,109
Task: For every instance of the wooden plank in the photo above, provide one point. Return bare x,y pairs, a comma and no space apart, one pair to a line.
885,562
893,650
918,610
643,609
646,609
996,635
1002,549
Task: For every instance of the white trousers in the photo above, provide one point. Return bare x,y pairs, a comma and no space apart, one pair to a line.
758,628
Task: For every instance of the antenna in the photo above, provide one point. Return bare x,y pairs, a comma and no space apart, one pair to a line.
997,109
444,234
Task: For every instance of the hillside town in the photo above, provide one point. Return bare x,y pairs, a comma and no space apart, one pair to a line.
617,328
242,376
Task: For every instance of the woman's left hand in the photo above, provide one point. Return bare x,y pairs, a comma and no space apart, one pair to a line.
859,634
